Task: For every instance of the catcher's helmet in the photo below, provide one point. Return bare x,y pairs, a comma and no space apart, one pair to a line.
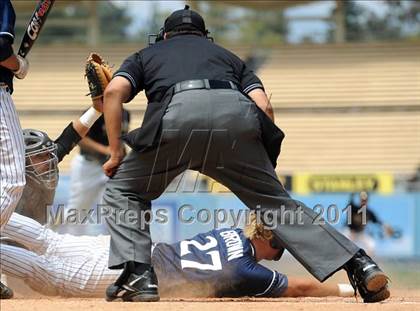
41,158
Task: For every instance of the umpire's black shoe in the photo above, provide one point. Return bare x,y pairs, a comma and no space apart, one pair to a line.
5,292
368,278
135,288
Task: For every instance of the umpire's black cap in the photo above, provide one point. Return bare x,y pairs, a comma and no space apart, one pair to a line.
185,19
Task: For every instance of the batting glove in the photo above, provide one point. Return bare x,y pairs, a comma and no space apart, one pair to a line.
23,67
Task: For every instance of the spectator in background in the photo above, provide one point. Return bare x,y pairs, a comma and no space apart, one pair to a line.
413,184
360,216
87,179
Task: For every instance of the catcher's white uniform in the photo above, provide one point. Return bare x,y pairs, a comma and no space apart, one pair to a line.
56,264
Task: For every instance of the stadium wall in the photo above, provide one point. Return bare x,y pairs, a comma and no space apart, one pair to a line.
182,215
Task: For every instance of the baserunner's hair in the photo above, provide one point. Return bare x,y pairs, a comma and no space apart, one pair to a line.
255,229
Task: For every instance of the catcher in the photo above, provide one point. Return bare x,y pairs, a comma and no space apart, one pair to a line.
40,189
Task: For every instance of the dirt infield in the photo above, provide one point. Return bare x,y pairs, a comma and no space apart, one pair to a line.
405,295
409,301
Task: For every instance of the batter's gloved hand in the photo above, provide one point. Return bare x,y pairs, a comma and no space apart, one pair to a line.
98,74
23,67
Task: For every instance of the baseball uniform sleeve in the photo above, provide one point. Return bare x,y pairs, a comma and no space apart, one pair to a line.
265,282
7,33
6,49
132,70
249,81
7,19
259,281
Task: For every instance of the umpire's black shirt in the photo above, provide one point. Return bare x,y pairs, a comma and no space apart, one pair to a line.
7,35
157,68
184,57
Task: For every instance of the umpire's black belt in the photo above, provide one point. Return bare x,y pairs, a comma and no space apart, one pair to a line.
203,84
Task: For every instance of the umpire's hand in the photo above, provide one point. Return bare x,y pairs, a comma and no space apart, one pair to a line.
110,166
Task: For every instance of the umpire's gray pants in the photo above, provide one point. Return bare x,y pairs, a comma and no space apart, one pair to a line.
216,132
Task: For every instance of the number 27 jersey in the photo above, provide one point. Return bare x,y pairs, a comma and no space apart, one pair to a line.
219,263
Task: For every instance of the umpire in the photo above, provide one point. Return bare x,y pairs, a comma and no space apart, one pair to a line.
12,152
207,112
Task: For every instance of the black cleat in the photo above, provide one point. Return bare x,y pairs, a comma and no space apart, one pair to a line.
367,278
135,288
379,296
5,292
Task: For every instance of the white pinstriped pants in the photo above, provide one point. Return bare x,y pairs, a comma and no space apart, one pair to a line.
56,264
12,158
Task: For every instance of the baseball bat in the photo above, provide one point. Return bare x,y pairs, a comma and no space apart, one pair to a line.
35,25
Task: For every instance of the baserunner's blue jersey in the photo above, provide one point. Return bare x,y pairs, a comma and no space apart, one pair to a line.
219,263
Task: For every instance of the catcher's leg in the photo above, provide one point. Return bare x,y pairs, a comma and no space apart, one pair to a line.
77,277
29,267
30,233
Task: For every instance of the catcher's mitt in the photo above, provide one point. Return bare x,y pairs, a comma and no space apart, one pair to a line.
98,74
